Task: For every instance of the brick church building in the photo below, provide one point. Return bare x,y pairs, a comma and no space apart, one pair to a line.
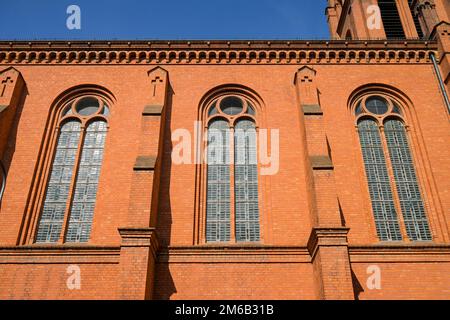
231,169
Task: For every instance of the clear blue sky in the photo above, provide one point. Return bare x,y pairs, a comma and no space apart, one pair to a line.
165,19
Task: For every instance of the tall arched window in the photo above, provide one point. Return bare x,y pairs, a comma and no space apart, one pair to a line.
71,191
232,208
391,19
383,136
218,188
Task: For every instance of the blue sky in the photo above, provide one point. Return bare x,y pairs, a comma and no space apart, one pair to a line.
165,19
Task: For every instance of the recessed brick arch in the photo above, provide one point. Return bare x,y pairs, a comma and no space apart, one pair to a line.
407,115
231,89
37,190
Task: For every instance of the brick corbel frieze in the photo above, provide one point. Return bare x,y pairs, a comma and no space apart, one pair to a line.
137,263
215,52
12,87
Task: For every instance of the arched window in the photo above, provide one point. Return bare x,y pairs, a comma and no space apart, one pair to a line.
68,207
389,166
232,208
218,186
391,19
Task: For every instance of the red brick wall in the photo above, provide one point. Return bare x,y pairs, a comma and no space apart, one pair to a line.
285,197
49,281
247,281
406,280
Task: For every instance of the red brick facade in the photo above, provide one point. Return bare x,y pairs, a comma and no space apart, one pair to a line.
318,238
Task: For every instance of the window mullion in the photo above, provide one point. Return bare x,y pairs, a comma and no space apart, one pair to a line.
232,186
73,181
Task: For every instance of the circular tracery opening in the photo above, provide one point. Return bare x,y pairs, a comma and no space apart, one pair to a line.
377,105
231,106
86,107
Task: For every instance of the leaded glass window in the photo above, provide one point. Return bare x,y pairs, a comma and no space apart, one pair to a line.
376,105
416,222
380,191
391,142
218,193
68,208
246,182
82,211
232,180
58,187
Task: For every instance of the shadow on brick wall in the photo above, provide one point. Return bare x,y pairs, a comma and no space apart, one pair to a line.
164,286
357,287
12,137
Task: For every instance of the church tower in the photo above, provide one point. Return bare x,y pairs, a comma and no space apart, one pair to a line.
386,19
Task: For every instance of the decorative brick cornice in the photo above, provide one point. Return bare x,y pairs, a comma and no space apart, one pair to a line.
234,254
54,253
312,110
400,252
153,110
321,163
139,237
215,52
327,237
145,163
